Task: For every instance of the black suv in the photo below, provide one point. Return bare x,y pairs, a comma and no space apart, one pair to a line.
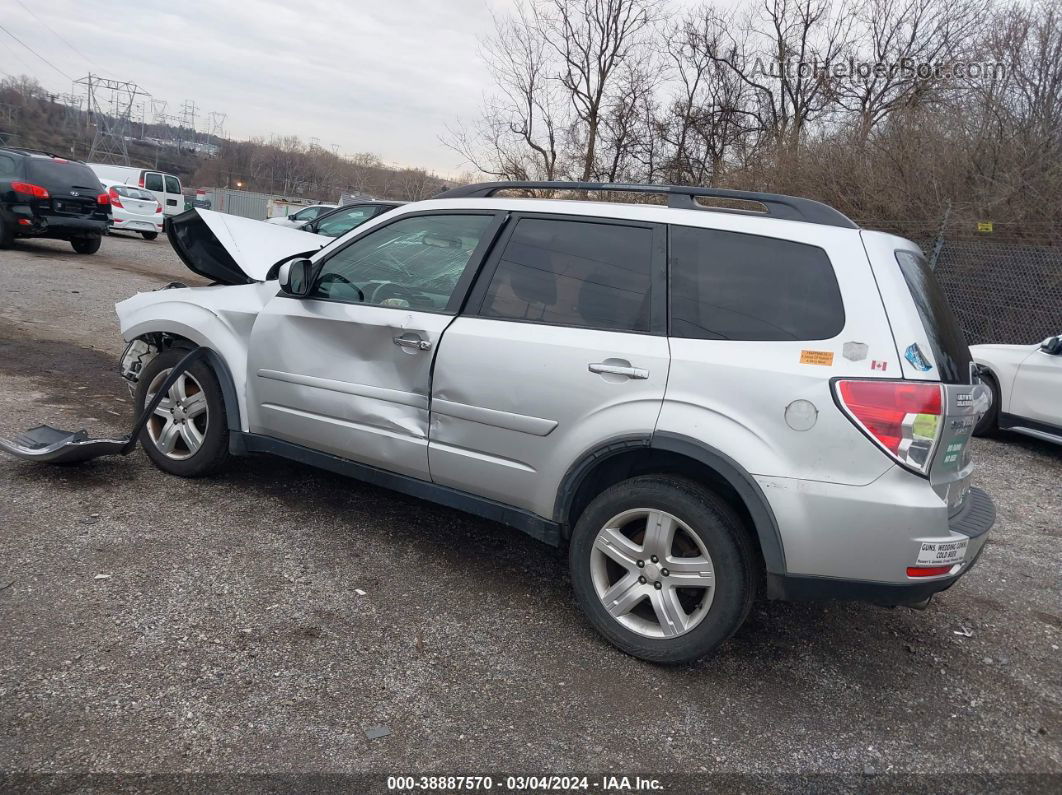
42,195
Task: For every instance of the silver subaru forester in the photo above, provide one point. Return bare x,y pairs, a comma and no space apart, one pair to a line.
702,403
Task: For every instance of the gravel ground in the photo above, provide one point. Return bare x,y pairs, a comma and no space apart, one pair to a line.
263,621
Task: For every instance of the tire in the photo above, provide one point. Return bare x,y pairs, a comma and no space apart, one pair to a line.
87,245
989,423
7,236
149,235
706,524
191,445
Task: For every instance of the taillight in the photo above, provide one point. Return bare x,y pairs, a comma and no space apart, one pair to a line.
108,198
140,182
158,208
116,200
29,189
904,418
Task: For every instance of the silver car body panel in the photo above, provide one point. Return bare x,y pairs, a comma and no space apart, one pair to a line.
502,409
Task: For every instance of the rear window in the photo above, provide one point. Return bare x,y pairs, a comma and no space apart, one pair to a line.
133,193
946,339
62,175
733,286
8,166
153,181
173,185
574,273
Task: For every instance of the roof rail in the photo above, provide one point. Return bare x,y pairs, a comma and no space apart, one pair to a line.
790,208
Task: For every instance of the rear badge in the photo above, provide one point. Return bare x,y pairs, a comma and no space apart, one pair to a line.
824,358
913,354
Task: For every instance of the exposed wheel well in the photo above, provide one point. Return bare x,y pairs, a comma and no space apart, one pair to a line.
646,461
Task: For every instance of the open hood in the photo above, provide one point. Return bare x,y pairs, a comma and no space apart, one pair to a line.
234,250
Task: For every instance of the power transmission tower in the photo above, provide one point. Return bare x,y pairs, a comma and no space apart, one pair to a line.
110,107
217,124
188,111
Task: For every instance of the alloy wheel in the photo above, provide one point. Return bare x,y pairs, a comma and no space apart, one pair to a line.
652,573
179,423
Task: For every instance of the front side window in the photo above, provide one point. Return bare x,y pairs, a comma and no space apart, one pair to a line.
153,181
574,273
413,263
340,223
173,185
734,286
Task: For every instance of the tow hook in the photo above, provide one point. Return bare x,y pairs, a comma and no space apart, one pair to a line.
53,446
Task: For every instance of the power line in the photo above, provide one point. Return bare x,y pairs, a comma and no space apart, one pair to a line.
54,33
20,41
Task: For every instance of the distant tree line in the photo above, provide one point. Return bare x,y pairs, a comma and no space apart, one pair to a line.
890,110
30,116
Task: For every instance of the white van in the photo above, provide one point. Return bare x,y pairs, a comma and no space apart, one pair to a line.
165,187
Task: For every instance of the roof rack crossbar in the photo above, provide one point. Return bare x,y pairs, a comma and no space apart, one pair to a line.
790,208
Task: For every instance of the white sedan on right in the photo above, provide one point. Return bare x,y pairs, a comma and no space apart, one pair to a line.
1026,384
303,216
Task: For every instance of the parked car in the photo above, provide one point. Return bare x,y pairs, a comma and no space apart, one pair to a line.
702,405
303,216
166,188
45,196
1026,384
134,210
342,219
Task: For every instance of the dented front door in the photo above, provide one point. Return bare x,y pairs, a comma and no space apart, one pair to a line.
347,371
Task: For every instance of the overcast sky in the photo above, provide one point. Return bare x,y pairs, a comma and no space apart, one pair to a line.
383,77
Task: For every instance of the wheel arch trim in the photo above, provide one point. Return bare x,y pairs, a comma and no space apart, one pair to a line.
729,470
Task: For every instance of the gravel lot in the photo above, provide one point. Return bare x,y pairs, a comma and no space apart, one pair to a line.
230,632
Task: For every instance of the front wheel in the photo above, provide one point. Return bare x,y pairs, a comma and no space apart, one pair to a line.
149,235
663,568
87,245
187,434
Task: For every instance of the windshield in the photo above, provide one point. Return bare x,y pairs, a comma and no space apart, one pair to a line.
946,339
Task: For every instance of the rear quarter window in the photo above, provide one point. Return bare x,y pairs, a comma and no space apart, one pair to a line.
946,339
9,167
735,286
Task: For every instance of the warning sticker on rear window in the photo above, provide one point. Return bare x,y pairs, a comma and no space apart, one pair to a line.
824,358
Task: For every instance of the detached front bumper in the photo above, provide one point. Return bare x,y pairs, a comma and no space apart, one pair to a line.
973,522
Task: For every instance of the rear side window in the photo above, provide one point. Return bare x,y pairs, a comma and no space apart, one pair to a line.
946,339
733,286
173,185
153,181
574,273
8,166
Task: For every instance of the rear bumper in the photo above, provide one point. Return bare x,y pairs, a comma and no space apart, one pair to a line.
973,521
61,226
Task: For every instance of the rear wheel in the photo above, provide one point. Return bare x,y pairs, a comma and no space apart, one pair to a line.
989,422
187,434
663,568
7,235
87,245
150,235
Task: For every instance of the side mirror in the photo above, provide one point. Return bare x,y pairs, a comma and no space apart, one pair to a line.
1052,346
296,277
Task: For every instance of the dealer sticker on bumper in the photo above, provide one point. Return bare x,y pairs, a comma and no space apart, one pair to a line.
942,553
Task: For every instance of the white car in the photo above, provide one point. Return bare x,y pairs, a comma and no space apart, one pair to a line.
1026,384
303,216
134,210
166,188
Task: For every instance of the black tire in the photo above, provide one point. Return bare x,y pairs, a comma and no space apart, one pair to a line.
87,245
149,235
989,423
213,453
7,236
724,538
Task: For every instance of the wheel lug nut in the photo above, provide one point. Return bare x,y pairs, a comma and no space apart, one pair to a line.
654,558
642,580
665,572
657,585
641,564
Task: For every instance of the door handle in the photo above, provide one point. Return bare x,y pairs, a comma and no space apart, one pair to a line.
616,369
413,342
